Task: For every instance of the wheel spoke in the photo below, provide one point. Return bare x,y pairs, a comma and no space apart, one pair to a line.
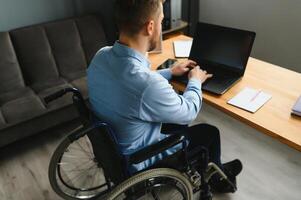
88,145
73,171
154,195
79,150
77,177
76,157
82,169
83,166
94,177
87,153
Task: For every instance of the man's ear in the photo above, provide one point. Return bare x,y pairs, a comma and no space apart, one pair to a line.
150,27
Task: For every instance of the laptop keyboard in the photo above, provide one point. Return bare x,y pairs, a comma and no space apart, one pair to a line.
216,80
219,79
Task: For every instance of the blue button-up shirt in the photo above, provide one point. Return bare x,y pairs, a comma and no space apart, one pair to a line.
135,101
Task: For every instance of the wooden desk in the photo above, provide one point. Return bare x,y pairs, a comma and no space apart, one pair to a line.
274,117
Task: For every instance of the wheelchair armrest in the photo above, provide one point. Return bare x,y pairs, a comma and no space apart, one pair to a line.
155,149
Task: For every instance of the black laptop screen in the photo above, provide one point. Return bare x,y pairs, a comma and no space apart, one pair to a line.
221,46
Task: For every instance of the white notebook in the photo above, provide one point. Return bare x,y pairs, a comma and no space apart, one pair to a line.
182,48
250,99
297,107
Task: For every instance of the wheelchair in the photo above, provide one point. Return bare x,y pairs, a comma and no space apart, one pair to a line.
87,164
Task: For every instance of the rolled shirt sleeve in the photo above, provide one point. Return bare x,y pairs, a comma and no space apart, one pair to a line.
166,73
160,103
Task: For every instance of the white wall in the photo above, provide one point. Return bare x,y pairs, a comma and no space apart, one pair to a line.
276,22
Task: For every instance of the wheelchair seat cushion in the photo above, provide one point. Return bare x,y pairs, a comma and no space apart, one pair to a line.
175,161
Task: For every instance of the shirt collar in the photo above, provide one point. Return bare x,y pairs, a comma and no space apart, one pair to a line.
124,50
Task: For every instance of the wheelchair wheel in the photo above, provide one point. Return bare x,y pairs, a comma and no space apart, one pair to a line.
157,184
74,173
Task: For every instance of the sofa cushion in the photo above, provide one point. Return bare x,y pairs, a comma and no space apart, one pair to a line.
10,72
38,87
22,109
34,54
92,35
16,132
60,102
66,47
81,85
77,75
15,94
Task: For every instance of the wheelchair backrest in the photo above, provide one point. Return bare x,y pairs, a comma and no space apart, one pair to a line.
82,109
107,154
103,142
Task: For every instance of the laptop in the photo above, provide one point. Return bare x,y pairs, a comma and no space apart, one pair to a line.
222,51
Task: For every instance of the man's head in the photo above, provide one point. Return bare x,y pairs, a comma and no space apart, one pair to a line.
140,17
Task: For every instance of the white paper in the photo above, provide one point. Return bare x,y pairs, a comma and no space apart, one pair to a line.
182,48
297,107
250,99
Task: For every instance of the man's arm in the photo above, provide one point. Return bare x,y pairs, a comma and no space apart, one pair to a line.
166,73
177,69
160,103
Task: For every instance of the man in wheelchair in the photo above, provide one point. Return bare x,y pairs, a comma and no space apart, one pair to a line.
136,101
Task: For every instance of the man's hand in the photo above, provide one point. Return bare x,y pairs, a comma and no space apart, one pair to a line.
199,74
179,69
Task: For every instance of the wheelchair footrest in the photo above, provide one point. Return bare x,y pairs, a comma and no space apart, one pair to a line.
214,169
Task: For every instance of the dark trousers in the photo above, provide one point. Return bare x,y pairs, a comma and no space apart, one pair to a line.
204,135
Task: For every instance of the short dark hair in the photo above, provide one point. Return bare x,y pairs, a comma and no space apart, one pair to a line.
131,15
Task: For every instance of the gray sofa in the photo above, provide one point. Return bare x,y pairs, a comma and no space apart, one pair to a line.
38,60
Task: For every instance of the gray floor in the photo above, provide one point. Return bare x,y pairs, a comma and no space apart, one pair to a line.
272,170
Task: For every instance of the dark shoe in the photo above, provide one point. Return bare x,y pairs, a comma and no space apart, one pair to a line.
223,186
232,168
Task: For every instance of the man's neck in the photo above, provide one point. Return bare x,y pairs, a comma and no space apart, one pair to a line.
138,43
